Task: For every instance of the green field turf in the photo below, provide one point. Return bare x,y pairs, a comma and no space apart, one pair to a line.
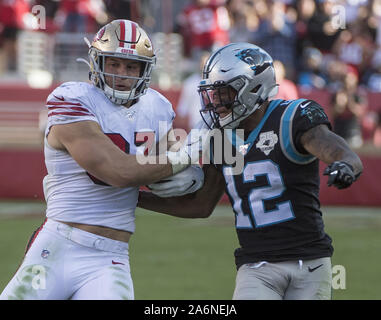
174,258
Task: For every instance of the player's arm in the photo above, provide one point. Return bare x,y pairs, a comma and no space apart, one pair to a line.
196,205
345,165
99,156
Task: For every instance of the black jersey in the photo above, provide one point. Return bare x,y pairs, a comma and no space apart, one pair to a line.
276,197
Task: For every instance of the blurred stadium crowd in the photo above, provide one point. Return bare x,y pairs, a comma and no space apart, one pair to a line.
330,45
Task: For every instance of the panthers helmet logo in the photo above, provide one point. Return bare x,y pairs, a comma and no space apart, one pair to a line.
255,59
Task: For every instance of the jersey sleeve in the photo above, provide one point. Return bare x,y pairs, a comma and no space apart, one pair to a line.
308,114
67,104
300,116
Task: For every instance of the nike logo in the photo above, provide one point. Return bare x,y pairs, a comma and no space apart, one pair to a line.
59,98
114,262
313,269
193,183
305,104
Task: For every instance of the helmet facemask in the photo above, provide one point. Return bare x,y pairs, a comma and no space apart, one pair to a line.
217,99
138,85
242,100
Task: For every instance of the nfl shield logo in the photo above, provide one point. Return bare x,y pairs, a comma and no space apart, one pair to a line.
243,148
267,141
45,253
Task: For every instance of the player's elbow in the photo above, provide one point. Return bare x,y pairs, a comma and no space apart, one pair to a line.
204,211
195,213
205,214
192,207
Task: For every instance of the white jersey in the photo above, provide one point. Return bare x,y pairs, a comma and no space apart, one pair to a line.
72,194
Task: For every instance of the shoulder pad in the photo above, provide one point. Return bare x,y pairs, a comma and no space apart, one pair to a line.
71,91
312,111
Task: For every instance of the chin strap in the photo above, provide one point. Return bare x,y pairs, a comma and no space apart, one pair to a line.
123,96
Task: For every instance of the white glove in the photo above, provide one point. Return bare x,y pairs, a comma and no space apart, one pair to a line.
187,181
195,146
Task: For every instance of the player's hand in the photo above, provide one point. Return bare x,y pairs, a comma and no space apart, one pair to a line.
198,140
187,155
195,147
340,174
184,182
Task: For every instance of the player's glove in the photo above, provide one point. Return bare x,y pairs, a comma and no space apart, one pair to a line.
187,181
340,174
195,144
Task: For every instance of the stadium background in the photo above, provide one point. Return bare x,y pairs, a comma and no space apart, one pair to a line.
170,258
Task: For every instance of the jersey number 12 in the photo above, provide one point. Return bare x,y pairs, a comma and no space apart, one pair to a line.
256,197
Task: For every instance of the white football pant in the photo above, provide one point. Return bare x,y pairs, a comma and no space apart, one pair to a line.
68,263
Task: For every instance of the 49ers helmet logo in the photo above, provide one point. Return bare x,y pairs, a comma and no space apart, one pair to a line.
100,34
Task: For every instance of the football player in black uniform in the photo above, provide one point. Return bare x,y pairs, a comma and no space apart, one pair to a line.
284,251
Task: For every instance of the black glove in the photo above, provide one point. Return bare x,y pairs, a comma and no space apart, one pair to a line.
340,174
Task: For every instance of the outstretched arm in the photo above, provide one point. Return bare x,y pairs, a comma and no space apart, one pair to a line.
196,205
98,155
333,150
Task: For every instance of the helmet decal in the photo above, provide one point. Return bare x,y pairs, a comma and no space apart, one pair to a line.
100,34
254,58
127,34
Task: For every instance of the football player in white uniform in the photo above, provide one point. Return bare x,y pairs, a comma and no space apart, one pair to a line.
93,134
